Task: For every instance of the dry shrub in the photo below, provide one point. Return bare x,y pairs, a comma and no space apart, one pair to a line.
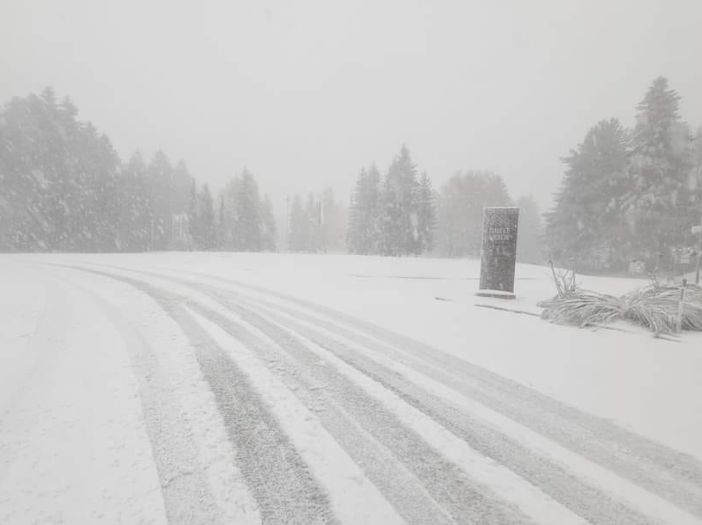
657,307
582,308
653,306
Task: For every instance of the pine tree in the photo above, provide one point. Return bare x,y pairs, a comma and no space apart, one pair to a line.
298,234
221,221
135,207
586,221
363,234
228,201
247,214
160,174
59,186
313,223
333,223
661,202
399,234
194,223
181,185
426,214
354,239
268,226
206,220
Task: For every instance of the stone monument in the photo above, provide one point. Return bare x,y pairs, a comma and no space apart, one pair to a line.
498,254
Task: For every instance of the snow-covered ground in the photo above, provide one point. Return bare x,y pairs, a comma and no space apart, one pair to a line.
276,388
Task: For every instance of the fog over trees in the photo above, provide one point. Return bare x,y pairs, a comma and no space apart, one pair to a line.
626,194
630,193
64,188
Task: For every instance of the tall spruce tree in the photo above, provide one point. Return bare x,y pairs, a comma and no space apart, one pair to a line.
585,224
313,218
298,234
398,225
333,223
135,206
364,229
247,214
160,174
661,201
206,219
268,226
194,224
354,237
426,214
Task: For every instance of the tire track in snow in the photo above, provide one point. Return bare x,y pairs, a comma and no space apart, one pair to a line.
464,500
185,491
565,487
280,481
655,467
673,475
583,499
354,499
399,486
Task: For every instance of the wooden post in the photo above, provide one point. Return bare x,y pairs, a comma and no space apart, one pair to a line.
681,305
699,252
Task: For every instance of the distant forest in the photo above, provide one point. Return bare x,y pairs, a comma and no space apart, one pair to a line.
626,195
63,187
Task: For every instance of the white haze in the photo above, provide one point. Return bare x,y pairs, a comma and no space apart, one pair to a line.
305,93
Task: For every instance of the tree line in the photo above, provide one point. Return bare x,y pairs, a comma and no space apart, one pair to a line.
64,188
401,214
630,194
317,223
392,215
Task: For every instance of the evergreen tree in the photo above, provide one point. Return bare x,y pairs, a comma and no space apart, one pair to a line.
268,226
227,219
298,237
399,235
135,207
661,201
221,229
586,221
180,187
313,224
426,214
354,236
333,223
58,179
363,234
193,216
247,214
160,174
206,220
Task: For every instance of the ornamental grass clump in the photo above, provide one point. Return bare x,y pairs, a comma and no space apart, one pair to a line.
582,308
658,307
654,306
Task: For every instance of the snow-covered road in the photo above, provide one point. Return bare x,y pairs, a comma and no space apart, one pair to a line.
247,389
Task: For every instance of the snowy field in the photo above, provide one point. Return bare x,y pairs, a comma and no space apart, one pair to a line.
248,388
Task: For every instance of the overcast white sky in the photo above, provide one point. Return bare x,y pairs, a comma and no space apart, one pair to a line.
304,93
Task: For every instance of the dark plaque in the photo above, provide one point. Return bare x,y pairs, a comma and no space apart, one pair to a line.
499,252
